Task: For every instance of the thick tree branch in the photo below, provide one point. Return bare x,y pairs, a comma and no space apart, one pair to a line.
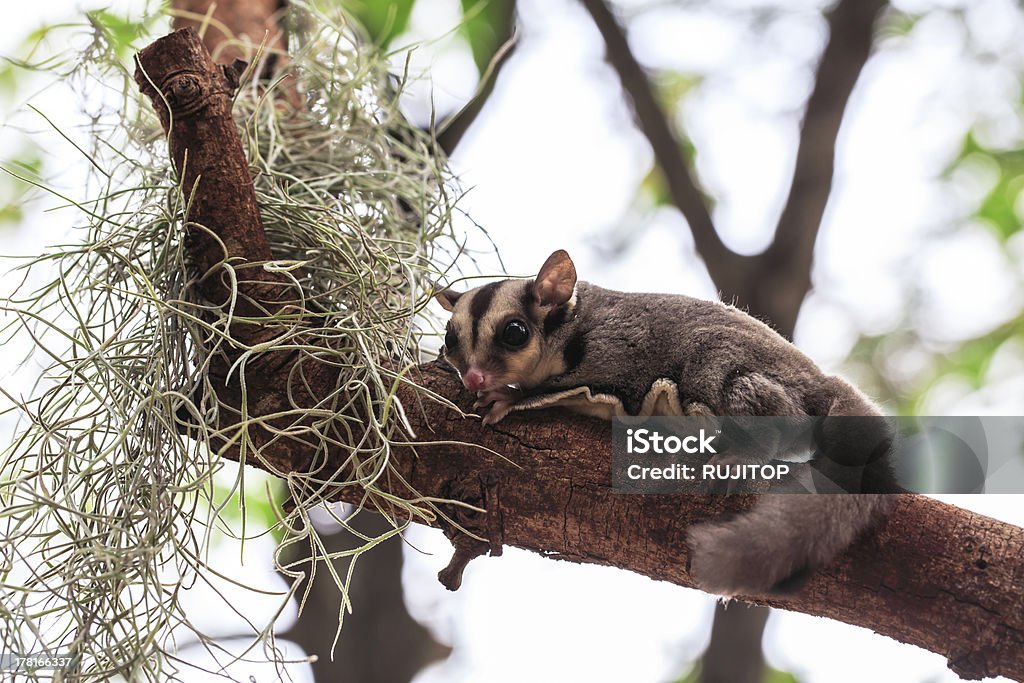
932,575
192,97
682,186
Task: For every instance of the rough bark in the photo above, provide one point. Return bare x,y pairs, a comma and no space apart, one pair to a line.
192,98
932,575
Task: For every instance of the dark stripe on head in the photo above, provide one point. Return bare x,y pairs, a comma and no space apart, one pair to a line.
478,307
555,319
574,352
528,299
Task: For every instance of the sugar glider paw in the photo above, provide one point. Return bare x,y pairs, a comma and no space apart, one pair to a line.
497,403
498,411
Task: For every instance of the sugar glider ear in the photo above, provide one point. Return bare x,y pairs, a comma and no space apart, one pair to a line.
448,298
556,280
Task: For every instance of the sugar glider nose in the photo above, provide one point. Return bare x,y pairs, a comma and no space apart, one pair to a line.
474,380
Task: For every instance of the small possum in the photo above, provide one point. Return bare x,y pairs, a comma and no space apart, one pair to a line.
552,340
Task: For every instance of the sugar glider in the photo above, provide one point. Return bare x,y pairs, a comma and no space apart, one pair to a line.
551,340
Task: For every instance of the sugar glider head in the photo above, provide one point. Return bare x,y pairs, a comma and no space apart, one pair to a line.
500,336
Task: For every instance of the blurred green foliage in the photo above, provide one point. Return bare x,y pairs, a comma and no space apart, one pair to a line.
485,23
1000,209
121,32
261,504
968,361
383,20
26,161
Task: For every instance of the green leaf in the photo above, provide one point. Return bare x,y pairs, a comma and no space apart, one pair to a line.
383,20
487,24
654,188
653,185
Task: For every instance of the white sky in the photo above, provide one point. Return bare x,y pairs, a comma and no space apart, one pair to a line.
553,163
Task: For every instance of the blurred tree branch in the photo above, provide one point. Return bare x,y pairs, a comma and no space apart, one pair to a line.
682,186
233,29
734,652
771,285
381,623
451,131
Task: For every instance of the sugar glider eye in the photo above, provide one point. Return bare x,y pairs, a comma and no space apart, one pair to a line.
516,333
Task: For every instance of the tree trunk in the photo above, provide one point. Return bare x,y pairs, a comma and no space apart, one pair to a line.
380,643
734,653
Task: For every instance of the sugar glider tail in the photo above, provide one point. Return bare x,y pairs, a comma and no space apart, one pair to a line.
783,537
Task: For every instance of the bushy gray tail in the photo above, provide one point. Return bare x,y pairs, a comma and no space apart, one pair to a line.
782,536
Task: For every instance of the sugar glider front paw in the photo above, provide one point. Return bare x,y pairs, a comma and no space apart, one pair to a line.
497,403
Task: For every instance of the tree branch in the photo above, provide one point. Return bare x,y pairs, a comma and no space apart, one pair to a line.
720,260
773,284
789,257
932,575
224,226
450,132
233,28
